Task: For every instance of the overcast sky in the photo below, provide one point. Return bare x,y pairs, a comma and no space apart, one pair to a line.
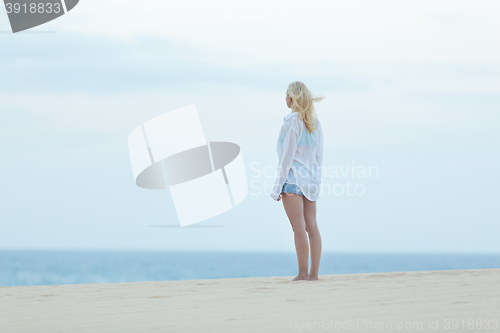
412,90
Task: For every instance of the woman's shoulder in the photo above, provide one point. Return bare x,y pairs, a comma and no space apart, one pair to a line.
317,123
291,119
292,116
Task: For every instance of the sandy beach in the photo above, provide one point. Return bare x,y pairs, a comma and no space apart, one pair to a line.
467,300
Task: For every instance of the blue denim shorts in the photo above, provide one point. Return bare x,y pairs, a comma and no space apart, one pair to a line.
291,188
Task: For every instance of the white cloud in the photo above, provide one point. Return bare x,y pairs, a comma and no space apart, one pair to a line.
252,33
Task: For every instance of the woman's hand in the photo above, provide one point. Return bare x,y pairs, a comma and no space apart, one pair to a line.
279,198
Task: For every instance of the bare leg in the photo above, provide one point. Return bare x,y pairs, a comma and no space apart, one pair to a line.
314,236
294,210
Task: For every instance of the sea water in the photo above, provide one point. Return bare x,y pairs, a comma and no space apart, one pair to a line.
50,267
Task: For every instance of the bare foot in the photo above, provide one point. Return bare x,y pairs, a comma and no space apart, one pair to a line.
301,277
313,277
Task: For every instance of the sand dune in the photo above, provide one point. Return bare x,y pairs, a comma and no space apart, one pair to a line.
405,301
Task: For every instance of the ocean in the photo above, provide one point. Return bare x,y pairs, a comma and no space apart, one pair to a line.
51,267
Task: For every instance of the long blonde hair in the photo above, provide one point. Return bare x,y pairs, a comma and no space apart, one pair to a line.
303,103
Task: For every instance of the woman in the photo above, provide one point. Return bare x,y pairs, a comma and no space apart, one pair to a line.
300,153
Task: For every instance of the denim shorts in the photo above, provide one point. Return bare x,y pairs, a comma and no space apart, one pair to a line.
291,188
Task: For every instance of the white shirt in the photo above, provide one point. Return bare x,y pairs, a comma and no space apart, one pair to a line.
300,155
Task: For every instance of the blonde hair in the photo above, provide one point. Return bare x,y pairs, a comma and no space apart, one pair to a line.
303,103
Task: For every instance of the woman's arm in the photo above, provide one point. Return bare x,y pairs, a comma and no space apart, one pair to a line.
290,143
319,152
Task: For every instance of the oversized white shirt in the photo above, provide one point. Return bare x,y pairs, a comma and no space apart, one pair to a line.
300,155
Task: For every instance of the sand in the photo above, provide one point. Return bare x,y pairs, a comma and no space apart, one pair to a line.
406,301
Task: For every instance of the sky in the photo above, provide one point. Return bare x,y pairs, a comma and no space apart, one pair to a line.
412,93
